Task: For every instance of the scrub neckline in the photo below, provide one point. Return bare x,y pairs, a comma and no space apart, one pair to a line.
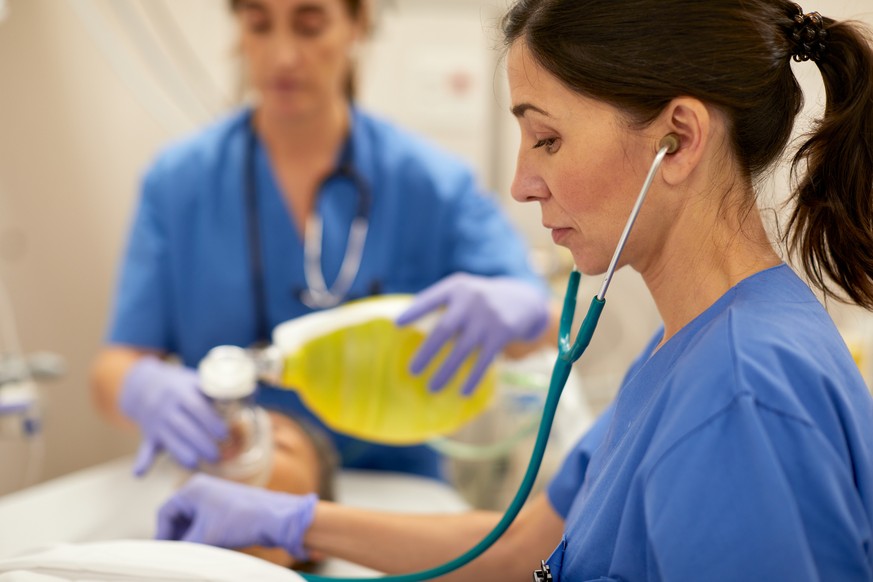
709,311
705,315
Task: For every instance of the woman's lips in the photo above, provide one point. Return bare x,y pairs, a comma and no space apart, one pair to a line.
560,234
286,85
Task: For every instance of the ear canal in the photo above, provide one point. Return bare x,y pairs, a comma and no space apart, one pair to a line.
669,141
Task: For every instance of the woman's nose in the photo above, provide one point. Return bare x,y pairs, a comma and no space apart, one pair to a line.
527,186
287,51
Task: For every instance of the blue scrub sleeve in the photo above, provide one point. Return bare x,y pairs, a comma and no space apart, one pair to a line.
565,486
485,242
731,500
141,315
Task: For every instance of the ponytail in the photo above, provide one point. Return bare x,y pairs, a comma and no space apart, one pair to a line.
831,226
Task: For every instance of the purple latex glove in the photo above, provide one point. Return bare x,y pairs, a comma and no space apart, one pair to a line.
173,415
208,510
481,313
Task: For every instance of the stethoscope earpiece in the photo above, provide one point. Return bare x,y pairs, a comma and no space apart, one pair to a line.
669,141
668,145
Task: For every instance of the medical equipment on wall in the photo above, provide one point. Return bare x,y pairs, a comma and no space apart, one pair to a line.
20,409
350,366
18,388
20,417
568,353
228,378
317,294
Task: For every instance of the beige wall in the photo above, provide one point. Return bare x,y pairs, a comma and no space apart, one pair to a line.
73,141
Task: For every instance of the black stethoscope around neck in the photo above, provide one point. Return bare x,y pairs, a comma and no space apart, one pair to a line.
317,294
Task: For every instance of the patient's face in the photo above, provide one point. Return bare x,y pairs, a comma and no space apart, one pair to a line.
295,470
295,460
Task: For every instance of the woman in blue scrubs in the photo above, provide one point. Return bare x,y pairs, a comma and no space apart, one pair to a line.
216,253
740,445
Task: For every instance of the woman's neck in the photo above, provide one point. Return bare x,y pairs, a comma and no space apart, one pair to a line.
302,153
304,138
706,255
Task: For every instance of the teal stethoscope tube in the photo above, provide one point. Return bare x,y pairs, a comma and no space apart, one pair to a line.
568,353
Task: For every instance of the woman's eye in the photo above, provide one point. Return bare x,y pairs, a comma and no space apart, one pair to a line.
257,24
310,24
551,144
259,27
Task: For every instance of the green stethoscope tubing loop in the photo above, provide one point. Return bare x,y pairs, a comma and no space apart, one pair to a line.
567,354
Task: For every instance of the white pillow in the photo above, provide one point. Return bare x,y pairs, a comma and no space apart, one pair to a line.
139,561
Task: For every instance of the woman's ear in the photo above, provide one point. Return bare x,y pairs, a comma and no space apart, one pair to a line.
689,120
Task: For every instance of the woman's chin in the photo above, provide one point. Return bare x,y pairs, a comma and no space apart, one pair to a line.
286,108
589,266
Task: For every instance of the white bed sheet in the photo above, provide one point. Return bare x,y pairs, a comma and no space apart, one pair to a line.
107,503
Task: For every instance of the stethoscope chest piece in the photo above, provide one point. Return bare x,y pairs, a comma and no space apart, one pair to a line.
544,574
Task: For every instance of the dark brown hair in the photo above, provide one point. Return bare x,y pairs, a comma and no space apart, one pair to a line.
355,7
358,12
638,55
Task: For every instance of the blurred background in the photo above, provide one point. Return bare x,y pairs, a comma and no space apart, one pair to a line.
90,90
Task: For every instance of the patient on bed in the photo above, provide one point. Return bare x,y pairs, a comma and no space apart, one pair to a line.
304,461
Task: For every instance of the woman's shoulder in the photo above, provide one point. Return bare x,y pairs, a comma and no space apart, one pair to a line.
771,320
397,151
774,322
201,153
773,345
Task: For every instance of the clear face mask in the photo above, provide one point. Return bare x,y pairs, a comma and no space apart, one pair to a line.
228,378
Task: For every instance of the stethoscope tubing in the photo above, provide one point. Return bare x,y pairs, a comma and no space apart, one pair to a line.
659,157
317,294
568,353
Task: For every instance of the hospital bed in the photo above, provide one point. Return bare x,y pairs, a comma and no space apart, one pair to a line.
107,503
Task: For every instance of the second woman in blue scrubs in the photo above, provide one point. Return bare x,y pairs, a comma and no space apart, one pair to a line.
216,252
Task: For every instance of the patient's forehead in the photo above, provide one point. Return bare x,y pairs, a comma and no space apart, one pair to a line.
288,432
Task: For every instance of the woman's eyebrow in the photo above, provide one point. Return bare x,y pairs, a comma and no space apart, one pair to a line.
522,108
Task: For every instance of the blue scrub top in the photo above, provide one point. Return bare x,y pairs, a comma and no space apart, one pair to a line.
740,450
186,280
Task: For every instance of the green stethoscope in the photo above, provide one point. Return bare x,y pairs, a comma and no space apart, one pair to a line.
568,353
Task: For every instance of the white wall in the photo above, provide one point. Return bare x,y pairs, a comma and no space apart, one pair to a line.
78,125
430,67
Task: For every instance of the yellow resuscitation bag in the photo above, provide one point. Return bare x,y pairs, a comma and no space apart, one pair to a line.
350,366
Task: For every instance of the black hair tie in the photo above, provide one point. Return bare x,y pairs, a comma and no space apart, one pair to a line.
808,35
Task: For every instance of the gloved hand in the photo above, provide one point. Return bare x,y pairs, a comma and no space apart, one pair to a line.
208,510
483,313
173,415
